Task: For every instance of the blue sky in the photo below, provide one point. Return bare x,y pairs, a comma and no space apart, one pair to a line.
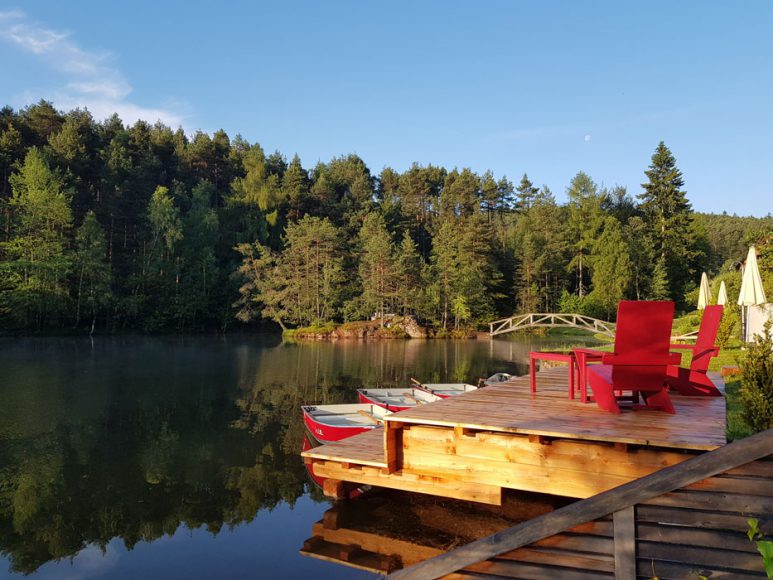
547,88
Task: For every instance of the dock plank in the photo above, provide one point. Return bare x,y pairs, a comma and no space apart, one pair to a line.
510,407
363,449
503,436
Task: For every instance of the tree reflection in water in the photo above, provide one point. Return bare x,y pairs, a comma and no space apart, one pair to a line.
132,438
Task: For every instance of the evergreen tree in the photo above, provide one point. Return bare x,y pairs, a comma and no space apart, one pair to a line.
265,290
540,251
36,257
446,266
295,189
419,190
640,253
158,283
491,201
92,272
257,198
377,265
199,269
313,266
11,150
461,194
408,275
464,255
612,267
659,289
525,194
668,215
585,221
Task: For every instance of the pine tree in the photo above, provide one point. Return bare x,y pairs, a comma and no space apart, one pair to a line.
377,265
525,194
37,260
640,253
446,266
295,189
612,267
408,275
659,289
92,272
313,266
585,221
199,270
265,290
668,215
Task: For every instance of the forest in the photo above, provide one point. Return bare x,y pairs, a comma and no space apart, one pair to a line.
111,228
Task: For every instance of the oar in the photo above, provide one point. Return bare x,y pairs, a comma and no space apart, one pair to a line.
369,416
421,385
414,399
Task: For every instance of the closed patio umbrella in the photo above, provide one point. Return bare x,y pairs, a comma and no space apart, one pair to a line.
752,292
704,297
722,298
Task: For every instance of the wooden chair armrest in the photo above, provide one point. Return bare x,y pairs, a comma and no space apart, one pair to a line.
590,351
671,358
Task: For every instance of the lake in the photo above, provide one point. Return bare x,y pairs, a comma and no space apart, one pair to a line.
176,457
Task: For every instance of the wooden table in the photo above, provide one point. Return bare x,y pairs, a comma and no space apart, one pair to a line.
561,356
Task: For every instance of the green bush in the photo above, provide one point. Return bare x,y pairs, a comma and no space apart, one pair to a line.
729,327
757,381
589,305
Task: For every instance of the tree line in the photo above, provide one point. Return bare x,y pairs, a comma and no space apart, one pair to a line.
110,227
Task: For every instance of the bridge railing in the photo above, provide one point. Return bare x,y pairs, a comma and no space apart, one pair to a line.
551,320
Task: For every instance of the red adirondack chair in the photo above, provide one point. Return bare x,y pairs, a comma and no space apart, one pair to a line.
639,361
694,381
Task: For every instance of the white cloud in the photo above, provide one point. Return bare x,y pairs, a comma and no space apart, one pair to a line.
93,81
587,138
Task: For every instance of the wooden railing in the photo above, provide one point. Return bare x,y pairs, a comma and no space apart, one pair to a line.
552,320
680,521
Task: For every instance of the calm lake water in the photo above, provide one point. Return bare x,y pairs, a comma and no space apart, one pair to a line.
176,457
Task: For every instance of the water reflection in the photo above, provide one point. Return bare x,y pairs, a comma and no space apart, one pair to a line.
129,439
386,530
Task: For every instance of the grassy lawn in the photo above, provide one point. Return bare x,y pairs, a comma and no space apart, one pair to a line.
736,426
729,356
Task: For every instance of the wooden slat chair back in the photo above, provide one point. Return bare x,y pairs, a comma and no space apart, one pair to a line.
641,356
694,381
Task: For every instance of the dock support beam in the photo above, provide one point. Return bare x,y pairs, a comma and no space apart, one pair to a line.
393,446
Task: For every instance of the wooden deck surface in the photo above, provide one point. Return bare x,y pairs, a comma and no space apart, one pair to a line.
699,422
363,449
475,445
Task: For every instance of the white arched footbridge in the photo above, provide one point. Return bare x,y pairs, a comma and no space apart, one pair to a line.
550,320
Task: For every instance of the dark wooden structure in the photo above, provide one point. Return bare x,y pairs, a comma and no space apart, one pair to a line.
685,521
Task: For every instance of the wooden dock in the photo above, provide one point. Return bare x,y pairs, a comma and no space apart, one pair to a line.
473,446
685,521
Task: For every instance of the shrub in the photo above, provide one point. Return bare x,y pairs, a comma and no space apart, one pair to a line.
589,305
757,381
729,326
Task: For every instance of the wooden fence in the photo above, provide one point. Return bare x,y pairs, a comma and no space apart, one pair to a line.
684,521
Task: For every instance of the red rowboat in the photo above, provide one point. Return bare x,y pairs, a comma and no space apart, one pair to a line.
328,423
310,443
305,446
396,399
